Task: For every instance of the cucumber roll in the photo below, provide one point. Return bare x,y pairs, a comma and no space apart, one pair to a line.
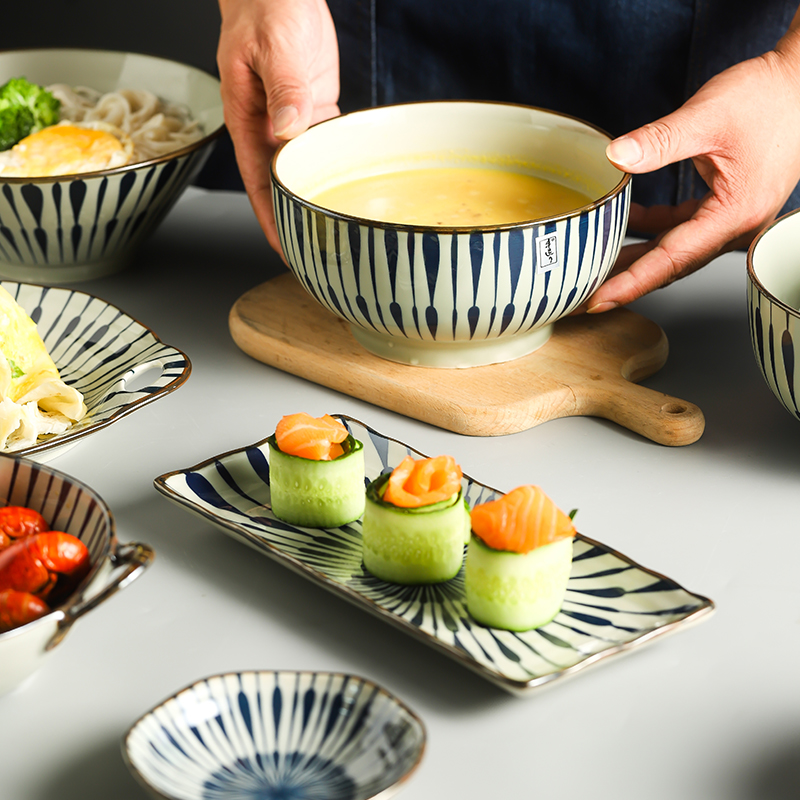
516,591
519,560
419,543
324,488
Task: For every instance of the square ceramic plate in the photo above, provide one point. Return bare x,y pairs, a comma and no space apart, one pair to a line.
612,603
118,364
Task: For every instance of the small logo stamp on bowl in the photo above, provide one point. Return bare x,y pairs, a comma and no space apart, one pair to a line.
546,252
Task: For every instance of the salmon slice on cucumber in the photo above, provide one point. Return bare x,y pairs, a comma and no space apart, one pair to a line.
416,522
316,472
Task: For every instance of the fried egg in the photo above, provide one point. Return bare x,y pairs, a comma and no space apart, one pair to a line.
66,149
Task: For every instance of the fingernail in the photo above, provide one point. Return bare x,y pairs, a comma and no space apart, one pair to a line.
284,119
624,152
601,307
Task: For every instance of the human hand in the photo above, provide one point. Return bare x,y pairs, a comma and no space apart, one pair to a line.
279,72
740,130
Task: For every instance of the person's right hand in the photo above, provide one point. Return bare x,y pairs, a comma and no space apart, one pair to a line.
279,71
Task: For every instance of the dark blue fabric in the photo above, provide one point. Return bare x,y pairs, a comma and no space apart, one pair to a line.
615,63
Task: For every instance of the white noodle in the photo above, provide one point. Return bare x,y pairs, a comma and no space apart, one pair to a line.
156,126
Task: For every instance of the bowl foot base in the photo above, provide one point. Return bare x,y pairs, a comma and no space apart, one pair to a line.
49,274
420,353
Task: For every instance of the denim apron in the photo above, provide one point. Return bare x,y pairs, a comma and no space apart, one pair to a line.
615,63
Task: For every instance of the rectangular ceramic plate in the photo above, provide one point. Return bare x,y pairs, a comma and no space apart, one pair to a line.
612,604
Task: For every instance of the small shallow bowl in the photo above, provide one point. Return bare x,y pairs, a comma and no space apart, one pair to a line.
460,296
69,506
118,364
773,299
276,735
81,227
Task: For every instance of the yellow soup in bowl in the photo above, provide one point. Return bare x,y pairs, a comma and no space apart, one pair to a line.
452,197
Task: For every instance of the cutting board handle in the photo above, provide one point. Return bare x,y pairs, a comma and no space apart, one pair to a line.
657,416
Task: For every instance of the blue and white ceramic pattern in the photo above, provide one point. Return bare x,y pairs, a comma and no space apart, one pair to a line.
118,364
450,297
612,604
69,506
276,735
773,298
57,230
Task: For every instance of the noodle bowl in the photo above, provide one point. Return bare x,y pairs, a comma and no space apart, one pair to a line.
80,218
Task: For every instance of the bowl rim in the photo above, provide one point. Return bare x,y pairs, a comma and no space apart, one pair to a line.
279,185
59,612
189,148
751,271
277,671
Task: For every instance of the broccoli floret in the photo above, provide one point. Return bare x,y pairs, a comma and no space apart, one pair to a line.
24,108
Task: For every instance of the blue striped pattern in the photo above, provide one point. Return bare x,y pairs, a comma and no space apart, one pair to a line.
275,735
463,286
612,603
65,503
775,334
101,351
60,223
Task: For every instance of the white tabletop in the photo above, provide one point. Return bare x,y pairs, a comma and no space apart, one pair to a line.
710,712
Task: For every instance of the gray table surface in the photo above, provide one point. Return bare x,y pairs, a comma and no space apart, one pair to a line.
710,712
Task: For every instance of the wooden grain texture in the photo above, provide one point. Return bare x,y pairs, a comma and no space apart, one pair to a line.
589,367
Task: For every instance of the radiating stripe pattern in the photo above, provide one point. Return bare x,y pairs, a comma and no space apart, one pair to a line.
93,218
118,364
612,603
774,330
453,285
276,735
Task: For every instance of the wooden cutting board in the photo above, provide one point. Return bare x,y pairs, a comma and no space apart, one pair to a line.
588,367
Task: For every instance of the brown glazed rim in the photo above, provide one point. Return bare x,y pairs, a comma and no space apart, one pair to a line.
751,272
378,224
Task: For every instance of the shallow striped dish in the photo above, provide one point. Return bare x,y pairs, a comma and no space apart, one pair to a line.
274,736
118,364
612,603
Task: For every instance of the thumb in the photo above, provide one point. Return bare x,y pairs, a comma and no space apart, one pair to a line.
667,140
288,90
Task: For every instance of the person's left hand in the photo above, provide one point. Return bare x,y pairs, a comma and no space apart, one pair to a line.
741,131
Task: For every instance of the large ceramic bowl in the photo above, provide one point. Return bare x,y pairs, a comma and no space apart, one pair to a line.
73,228
773,297
460,296
72,507
276,735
